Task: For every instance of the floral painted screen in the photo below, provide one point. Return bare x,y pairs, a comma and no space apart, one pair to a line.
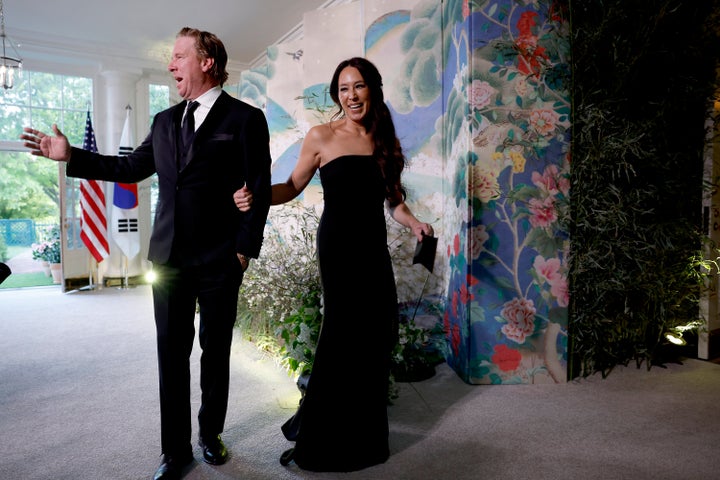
478,92
508,293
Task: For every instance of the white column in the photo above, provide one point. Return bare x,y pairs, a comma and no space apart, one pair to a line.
116,90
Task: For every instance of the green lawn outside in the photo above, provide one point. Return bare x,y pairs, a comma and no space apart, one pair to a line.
19,280
35,279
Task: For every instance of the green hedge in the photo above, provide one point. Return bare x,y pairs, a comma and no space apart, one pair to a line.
644,75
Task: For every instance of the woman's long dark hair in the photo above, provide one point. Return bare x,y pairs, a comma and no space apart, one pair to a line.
379,123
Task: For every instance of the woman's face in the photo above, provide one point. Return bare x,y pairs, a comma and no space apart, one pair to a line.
353,93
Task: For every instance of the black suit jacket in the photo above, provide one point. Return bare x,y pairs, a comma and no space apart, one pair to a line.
195,217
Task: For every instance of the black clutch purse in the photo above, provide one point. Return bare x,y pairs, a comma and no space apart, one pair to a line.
425,252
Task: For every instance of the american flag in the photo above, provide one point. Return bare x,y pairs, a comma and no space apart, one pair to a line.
93,230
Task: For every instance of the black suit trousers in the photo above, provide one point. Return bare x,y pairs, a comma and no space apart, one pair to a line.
177,294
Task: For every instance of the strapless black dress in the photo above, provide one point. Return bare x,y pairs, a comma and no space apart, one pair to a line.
342,423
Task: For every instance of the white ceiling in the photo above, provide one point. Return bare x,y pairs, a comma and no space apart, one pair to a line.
141,32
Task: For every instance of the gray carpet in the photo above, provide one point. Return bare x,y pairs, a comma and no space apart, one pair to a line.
78,400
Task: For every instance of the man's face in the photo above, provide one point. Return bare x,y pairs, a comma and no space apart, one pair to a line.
188,69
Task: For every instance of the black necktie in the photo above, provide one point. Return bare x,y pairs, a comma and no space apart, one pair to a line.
188,126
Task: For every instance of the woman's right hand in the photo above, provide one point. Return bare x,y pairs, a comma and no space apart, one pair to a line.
243,198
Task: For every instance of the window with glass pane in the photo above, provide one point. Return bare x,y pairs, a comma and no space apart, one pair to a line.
40,99
159,98
30,184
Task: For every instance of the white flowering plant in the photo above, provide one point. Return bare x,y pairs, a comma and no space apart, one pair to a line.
286,321
48,250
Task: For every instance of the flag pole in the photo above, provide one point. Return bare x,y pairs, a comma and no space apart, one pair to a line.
91,285
126,278
125,273
125,211
93,231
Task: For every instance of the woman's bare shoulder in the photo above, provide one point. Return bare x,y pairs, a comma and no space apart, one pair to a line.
319,132
319,137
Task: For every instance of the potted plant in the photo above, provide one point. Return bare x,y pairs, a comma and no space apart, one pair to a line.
417,352
48,252
52,254
39,253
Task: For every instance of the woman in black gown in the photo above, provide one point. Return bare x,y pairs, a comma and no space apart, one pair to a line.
342,424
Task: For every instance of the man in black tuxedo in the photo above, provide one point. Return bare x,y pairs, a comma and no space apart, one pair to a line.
201,243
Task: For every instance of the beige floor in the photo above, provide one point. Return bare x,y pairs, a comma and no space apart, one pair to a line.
78,400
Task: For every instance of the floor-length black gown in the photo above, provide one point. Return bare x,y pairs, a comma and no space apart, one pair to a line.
342,422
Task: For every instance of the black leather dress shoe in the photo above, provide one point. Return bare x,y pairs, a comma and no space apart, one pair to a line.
171,467
287,457
214,451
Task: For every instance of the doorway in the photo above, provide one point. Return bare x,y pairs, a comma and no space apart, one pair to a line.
709,333
29,216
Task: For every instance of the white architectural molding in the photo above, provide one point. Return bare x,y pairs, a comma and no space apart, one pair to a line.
294,34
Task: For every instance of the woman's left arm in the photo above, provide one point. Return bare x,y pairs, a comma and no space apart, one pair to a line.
401,213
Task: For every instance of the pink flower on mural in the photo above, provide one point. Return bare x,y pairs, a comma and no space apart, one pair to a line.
520,316
551,181
548,180
481,93
507,359
542,212
466,9
544,121
559,290
479,236
550,271
456,244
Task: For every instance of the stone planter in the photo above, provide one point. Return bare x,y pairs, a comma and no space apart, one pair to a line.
56,272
